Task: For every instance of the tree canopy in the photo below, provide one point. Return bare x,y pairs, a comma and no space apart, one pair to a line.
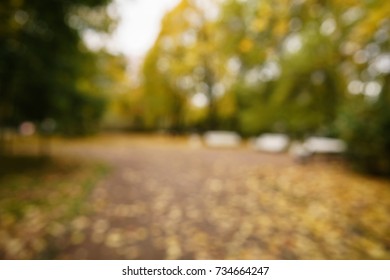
265,65
45,69
298,67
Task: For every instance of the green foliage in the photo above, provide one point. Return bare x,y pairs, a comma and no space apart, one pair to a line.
43,60
365,126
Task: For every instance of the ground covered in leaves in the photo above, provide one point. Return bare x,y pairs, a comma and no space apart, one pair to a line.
166,199
38,198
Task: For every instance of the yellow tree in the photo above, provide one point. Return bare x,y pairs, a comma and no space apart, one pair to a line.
184,62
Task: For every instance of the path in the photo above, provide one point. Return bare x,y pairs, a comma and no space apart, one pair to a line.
165,200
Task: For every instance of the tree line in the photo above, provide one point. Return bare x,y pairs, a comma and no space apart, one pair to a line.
302,67
298,67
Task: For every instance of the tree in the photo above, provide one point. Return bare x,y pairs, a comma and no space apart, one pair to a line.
42,56
271,65
364,120
182,64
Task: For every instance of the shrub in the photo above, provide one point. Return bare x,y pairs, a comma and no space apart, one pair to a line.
365,126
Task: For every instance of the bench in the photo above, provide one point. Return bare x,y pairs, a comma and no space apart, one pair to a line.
221,139
317,146
324,145
271,142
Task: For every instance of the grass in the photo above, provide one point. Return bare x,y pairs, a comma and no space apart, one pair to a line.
38,194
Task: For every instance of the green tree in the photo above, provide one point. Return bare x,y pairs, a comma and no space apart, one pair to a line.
42,56
364,119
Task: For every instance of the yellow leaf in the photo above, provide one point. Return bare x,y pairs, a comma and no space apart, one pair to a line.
246,45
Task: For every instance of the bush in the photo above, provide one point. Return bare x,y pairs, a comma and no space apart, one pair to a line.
365,126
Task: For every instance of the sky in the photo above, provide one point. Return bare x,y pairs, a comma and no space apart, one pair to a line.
139,25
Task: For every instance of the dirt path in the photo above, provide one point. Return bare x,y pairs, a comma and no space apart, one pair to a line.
166,200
